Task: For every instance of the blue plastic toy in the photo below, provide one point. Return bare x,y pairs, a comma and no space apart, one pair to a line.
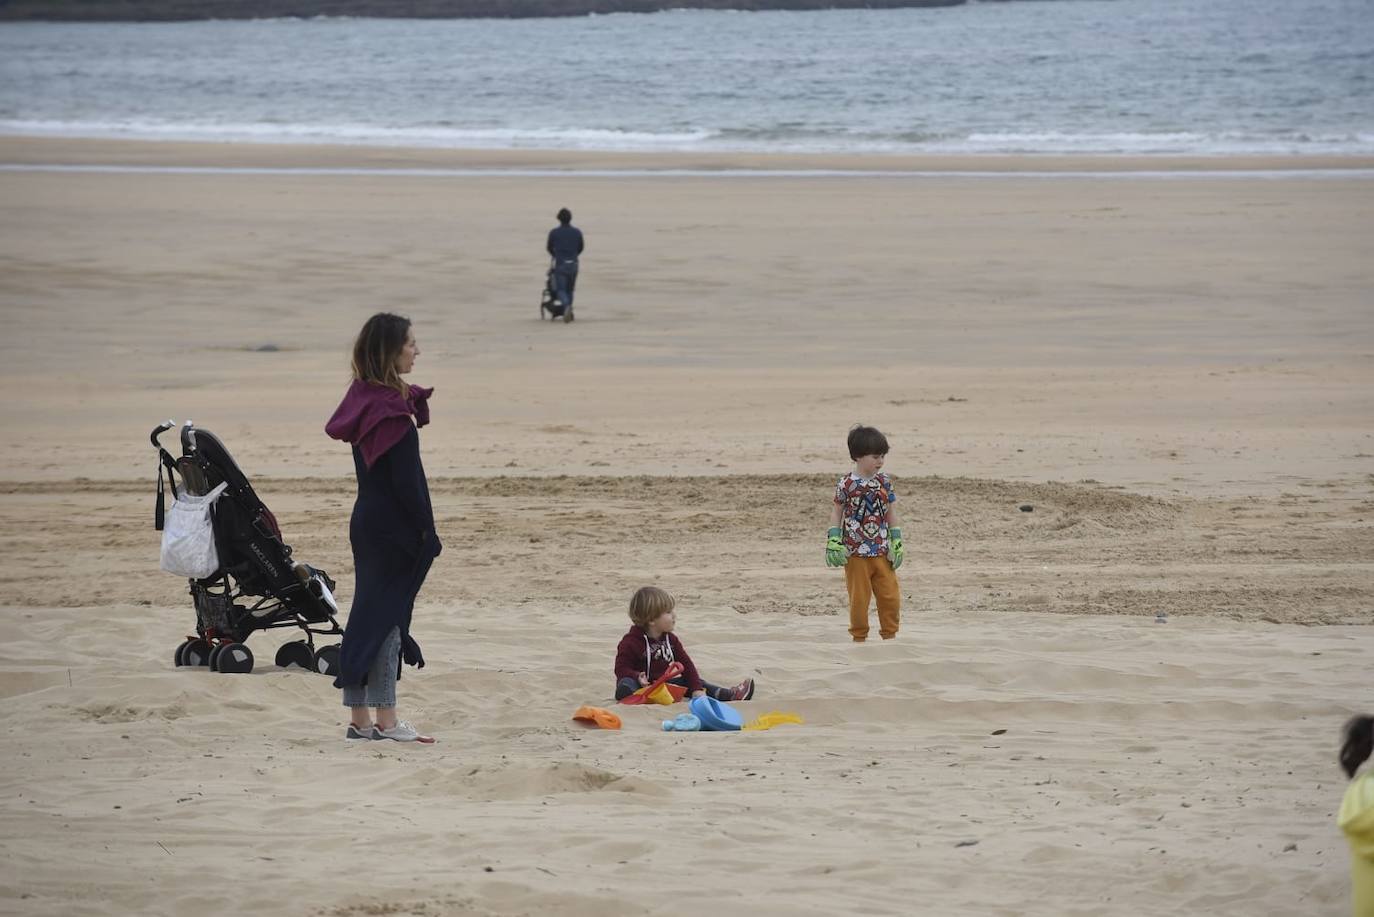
716,716
683,722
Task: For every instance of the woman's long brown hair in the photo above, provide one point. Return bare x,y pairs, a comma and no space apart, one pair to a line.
377,350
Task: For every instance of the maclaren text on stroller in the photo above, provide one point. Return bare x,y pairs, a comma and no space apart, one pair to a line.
254,564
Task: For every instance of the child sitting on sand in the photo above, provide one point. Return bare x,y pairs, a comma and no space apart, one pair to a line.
1356,817
864,538
651,646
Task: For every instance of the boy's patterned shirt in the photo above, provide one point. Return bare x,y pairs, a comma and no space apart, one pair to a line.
864,504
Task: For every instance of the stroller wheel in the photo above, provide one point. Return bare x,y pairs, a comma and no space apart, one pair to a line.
327,660
296,653
194,652
213,659
234,658
176,654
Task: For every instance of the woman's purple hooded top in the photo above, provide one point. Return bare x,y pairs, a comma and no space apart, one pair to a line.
375,417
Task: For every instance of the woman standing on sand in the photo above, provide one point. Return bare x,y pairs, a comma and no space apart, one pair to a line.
392,528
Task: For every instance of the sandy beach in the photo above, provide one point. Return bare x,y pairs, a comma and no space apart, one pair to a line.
1170,360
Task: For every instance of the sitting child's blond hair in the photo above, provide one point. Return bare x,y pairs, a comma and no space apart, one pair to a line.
648,603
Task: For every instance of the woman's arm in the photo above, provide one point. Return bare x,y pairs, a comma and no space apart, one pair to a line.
407,479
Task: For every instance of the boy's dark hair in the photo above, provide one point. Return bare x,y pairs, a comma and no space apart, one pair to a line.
1358,744
565,216
866,441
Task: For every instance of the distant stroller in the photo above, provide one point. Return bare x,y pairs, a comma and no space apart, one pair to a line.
255,564
548,301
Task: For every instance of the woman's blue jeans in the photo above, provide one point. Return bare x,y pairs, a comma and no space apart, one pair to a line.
380,690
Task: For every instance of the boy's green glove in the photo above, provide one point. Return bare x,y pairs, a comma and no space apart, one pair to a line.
835,554
895,549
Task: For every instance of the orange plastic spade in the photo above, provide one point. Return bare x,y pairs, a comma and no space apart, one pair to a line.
659,691
597,716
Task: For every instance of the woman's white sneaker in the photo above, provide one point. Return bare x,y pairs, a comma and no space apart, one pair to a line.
401,732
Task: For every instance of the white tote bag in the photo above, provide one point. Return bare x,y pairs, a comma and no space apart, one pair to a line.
188,538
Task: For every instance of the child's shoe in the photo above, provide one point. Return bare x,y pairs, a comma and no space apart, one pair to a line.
742,691
354,734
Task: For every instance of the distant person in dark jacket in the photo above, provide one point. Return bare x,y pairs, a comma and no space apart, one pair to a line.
564,246
392,527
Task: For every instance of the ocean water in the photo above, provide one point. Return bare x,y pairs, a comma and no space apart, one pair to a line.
1078,76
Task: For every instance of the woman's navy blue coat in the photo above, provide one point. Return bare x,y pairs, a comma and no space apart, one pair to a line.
394,543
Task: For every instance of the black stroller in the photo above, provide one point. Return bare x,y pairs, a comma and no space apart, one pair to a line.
548,301
255,566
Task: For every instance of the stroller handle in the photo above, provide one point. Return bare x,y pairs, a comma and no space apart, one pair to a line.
159,430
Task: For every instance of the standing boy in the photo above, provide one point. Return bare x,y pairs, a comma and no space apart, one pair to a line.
864,538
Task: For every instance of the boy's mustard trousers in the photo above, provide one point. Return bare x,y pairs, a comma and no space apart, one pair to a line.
866,577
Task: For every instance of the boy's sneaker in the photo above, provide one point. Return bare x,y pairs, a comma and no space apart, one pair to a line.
742,691
401,732
354,734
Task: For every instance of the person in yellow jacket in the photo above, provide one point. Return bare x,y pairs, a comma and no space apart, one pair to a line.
1356,817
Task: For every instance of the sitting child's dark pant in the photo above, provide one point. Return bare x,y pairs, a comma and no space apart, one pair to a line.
627,686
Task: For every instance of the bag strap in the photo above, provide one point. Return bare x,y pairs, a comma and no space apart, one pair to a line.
164,459
160,506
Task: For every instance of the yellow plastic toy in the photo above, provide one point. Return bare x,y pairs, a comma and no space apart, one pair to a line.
769,720
660,691
664,694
